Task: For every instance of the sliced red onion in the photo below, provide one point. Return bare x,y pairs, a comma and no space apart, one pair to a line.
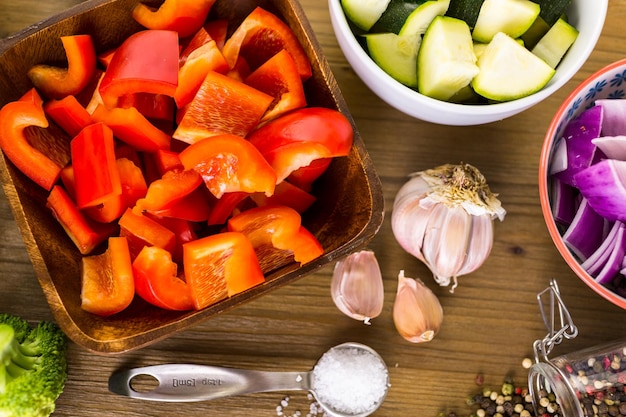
578,135
565,200
595,263
612,147
586,232
558,161
613,263
614,123
604,185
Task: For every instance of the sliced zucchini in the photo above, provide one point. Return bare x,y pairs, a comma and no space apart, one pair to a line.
418,21
395,15
554,44
535,32
509,71
364,13
553,10
393,56
446,62
466,10
512,17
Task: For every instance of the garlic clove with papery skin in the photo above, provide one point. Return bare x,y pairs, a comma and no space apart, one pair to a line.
444,217
357,286
417,312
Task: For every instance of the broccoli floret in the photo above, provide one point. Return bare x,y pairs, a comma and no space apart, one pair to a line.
33,367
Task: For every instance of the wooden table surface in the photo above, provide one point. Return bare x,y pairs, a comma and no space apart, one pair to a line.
490,321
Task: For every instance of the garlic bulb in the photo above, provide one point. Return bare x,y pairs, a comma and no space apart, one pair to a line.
444,217
357,286
417,312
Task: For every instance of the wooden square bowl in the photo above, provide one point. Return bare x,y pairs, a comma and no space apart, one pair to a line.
347,214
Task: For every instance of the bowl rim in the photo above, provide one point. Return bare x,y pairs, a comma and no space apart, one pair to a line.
459,113
544,161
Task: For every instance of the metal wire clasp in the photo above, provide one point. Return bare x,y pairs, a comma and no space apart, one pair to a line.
557,320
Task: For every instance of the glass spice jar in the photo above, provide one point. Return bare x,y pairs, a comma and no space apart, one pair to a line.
586,383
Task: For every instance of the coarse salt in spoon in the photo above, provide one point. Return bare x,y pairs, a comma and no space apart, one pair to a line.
349,380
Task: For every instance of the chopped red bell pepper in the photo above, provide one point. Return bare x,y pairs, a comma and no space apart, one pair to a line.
15,117
132,127
56,82
85,233
151,106
97,177
69,114
146,62
167,160
193,72
107,282
304,177
171,188
182,16
143,231
262,35
229,163
219,266
286,194
194,207
184,231
225,206
276,229
218,30
279,78
221,105
157,281
133,188
299,137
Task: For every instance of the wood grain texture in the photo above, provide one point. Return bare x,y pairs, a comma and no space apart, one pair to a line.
490,321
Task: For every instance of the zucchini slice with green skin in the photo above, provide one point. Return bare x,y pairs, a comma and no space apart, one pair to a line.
395,15
393,56
446,62
466,10
553,10
364,13
554,44
418,21
509,71
512,17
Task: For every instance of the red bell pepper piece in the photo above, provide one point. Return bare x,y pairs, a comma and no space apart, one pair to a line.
193,72
225,206
69,114
143,231
167,160
276,229
146,62
194,207
172,187
85,233
262,35
286,194
182,16
157,282
15,117
184,231
229,163
107,282
132,127
97,177
32,96
219,266
279,78
56,82
304,177
221,105
297,138
133,188
218,30
151,106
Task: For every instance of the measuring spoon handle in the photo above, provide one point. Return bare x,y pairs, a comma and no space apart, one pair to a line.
187,383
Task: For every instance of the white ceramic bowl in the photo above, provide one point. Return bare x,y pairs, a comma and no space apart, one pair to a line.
586,15
607,82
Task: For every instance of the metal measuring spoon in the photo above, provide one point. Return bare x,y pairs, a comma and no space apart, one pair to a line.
187,383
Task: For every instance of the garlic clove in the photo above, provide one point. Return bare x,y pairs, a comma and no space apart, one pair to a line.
357,286
479,245
417,312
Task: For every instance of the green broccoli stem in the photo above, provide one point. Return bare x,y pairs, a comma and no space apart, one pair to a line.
14,359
